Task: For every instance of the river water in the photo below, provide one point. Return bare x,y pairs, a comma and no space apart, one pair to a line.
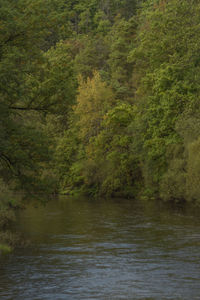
104,249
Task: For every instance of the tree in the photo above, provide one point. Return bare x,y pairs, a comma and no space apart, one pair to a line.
94,99
166,77
24,34
121,38
112,156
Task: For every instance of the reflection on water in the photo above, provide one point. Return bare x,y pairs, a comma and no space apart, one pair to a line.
117,249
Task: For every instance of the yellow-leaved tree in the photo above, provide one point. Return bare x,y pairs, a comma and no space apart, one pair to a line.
80,173
95,98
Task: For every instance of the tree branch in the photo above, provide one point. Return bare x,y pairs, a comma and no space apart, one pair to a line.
6,160
27,108
13,37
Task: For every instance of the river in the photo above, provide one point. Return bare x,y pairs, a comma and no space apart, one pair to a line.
104,249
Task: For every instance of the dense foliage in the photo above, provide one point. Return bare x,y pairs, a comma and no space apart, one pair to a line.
100,97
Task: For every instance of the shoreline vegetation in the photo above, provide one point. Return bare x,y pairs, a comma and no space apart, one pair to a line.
99,98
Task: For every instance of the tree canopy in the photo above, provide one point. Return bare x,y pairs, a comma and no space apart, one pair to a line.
101,97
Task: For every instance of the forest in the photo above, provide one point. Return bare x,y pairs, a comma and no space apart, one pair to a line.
99,98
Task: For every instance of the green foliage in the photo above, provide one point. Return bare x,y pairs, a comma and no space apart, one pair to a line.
5,249
92,55
115,165
24,34
166,79
122,39
100,97
145,142
57,89
93,101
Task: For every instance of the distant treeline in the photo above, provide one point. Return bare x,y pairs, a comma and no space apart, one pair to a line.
100,97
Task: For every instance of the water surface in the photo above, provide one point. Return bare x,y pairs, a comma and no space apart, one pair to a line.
104,249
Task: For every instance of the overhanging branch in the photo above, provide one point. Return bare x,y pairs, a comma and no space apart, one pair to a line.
27,108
